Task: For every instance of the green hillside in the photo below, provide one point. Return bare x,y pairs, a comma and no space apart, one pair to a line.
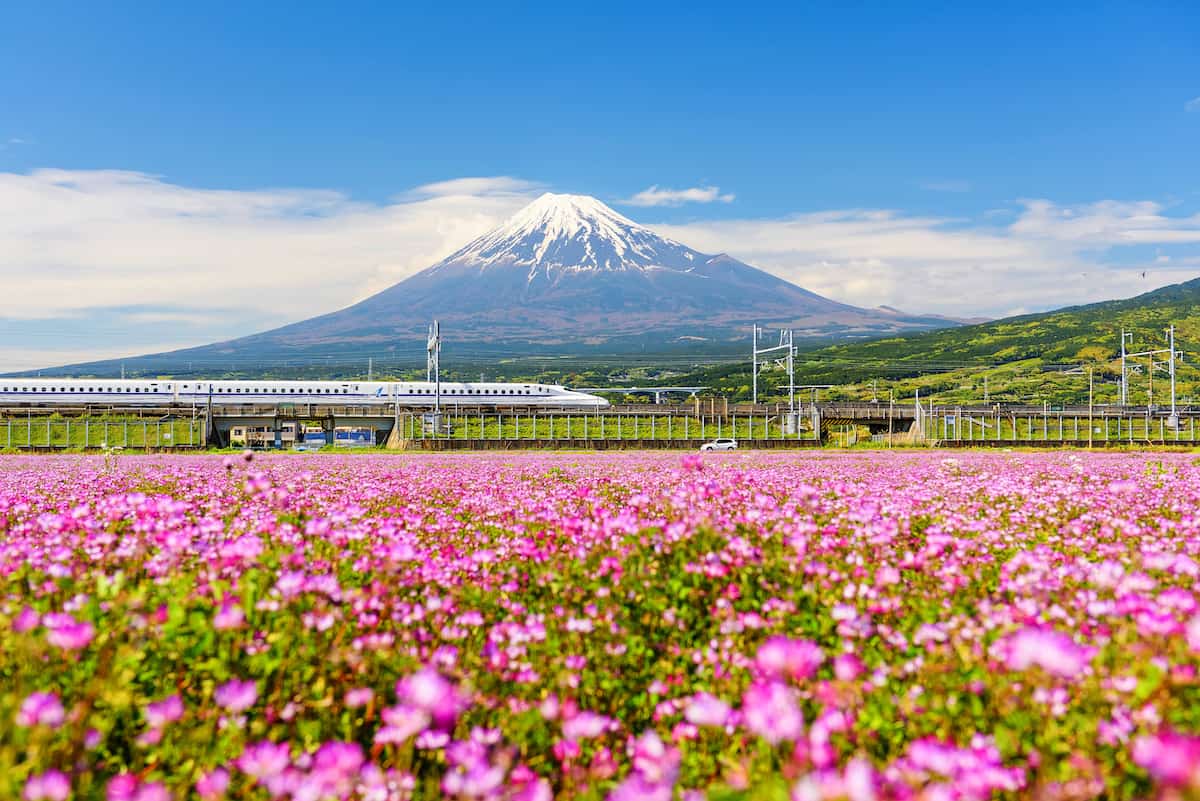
1027,359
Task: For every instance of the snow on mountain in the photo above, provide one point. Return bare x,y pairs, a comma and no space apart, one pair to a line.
573,233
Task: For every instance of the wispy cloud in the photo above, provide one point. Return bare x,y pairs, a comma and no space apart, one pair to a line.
947,186
1048,256
14,141
656,196
78,241
1192,105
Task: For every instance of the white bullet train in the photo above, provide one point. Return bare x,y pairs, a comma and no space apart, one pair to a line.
84,391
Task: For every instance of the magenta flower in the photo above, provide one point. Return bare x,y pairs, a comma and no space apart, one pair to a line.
153,791
160,713
400,723
1172,759
359,696
585,725
338,759
781,657
264,760
847,667
657,762
229,616
212,785
236,695
41,709
70,636
26,620
53,785
771,710
1055,653
707,710
428,690
122,787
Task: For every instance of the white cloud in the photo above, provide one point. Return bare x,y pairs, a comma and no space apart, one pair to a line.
1192,105
78,240
75,241
1048,256
654,196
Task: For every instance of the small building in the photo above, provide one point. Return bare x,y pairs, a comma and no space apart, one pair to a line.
245,436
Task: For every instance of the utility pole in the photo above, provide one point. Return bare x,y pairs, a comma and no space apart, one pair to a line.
1124,379
874,396
1150,390
433,352
1173,420
754,369
891,413
791,365
370,368
985,388
1091,427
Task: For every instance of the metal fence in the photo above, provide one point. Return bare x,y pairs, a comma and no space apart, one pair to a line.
1103,427
606,426
80,433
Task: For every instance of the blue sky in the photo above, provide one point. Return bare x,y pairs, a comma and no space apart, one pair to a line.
949,119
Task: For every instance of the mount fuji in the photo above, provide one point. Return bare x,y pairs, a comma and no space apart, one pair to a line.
568,273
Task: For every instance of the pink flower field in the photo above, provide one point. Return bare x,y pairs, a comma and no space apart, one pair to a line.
618,626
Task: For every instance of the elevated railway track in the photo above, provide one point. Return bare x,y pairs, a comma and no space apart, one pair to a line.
460,425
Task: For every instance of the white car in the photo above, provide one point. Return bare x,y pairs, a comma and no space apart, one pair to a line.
720,445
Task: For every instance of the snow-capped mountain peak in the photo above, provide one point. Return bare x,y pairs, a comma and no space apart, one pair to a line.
559,232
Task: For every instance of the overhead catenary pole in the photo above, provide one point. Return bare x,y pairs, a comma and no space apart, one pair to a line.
754,365
433,352
1124,379
1173,420
1091,427
787,362
791,351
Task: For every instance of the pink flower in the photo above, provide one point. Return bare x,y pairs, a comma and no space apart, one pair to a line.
359,696
41,709
1171,758
781,657
229,616
654,760
264,760
537,789
53,785
637,788
212,785
770,710
160,713
122,787
430,691
847,667
153,791
400,723
1193,634
859,780
585,725
707,710
1055,653
27,620
70,636
236,695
